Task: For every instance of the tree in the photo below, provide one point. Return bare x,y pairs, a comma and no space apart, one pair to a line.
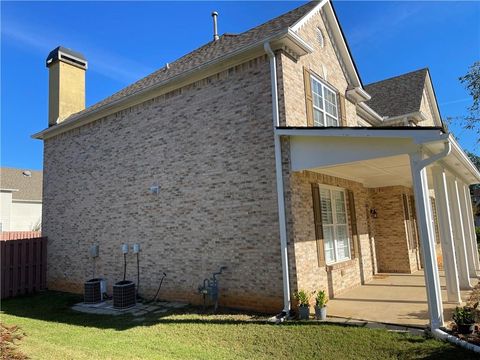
471,80
474,158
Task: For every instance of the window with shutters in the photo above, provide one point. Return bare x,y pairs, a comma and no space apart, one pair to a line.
325,106
335,224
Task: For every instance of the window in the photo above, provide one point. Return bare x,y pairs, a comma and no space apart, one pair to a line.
335,224
325,108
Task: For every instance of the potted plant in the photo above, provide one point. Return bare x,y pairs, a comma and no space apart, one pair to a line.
464,318
321,305
303,299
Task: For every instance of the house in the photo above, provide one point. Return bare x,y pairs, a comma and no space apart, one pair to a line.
21,199
262,152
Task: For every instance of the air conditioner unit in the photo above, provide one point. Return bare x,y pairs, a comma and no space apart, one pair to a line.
94,290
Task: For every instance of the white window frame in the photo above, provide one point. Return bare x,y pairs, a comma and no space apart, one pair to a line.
334,224
323,86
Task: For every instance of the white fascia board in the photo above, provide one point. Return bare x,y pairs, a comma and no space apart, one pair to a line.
287,36
302,44
343,48
432,97
418,136
460,155
308,16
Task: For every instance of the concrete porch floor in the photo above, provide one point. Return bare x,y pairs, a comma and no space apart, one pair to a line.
392,298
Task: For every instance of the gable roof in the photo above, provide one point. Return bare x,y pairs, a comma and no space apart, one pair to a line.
399,95
225,45
28,187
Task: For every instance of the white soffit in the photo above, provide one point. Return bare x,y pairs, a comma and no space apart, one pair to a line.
387,171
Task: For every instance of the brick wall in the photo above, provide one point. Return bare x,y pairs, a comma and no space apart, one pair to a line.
209,146
390,229
309,275
323,62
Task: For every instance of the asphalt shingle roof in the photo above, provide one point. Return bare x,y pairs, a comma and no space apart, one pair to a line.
398,95
29,187
209,52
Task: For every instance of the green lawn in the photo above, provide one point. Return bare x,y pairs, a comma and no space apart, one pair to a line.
53,331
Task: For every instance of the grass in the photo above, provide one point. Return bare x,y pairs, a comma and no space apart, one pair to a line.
53,331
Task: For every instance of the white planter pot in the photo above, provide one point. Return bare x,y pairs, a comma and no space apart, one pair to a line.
321,313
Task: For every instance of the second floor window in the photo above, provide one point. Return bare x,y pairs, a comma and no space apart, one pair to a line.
325,106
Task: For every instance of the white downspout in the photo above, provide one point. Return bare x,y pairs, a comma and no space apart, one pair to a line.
442,335
279,177
426,232
434,302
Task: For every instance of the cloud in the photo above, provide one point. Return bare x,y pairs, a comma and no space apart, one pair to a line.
456,101
106,63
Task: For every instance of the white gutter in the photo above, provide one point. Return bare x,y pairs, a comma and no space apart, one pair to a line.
418,135
279,177
371,112
430,160
416,116
464,159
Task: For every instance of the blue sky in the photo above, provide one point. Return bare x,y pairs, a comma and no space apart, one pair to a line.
125,41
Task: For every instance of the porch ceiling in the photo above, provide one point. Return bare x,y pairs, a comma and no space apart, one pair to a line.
387,171
373,156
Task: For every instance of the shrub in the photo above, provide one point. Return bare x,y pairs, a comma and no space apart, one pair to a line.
464,315
321,299
303,297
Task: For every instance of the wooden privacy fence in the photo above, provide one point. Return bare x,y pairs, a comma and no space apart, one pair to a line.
23,266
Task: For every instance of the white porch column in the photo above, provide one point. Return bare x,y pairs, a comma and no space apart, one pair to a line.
458,235
427,239
470,238
472,226
446,235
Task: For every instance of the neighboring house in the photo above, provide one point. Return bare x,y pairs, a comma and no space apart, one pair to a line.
21,199
270,157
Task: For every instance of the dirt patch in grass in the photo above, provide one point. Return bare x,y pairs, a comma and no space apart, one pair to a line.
9,338
474,298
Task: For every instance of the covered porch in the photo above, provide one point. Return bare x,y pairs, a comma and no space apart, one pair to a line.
393,298
402,284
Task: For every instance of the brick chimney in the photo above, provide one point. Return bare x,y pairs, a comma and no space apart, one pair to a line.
66,84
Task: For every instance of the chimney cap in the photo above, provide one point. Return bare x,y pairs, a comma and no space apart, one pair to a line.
67,55
215,31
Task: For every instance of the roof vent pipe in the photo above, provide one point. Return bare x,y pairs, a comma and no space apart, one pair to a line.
215,31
